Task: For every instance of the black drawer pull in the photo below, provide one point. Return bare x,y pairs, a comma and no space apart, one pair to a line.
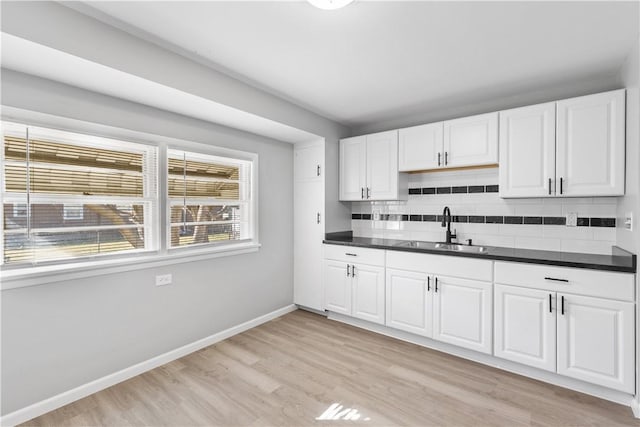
562,305
350,254
436,284
428,283
556,280
550,308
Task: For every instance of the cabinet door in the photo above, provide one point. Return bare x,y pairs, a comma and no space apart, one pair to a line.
308,232
409,302
420,147
368,292
528,151
596,341
382,166
353,158
462,313
525,326
471,140
308,162
337,287
591,145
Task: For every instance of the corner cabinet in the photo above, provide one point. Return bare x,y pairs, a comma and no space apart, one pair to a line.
369,168
569,148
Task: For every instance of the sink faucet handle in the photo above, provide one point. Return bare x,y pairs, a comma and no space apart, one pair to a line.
454,235
469,242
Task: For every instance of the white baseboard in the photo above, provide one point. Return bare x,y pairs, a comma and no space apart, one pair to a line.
55,402
496,362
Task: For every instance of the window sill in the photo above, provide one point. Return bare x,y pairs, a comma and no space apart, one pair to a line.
33,276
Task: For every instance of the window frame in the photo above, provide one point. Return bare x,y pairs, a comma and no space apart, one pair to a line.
28,275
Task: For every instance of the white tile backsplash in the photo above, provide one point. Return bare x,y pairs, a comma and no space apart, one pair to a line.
543,237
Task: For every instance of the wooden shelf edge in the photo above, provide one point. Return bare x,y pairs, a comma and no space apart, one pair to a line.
459,168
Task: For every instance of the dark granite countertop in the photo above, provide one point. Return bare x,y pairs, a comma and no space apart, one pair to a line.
619,260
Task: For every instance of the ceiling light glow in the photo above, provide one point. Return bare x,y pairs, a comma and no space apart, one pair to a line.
329,4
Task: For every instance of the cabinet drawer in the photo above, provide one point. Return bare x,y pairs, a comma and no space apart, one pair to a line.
354,254
604,284
465,268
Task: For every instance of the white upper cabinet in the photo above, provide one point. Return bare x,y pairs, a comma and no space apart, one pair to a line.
471,141
353,168
528,151
369,168
382,166
591,145
421,147
578,153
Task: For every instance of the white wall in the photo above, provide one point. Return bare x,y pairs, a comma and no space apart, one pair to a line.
57,336
631,201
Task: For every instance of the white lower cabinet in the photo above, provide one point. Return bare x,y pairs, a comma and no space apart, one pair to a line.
525,326
367,286
409,302
596,341
462,313
352,286
337,287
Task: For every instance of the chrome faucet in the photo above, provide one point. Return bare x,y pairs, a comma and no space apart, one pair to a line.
446,222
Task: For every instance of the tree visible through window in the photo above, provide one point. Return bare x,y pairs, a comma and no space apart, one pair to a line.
210,200
82,195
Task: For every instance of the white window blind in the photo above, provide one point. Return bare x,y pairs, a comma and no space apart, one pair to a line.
209,199
68,196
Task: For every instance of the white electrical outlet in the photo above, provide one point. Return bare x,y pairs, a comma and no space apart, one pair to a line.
164,279
572,219
376,215
628,221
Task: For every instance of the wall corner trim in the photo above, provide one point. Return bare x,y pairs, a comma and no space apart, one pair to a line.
40,408
635,406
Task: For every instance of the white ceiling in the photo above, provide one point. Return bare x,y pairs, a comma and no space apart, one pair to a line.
375,61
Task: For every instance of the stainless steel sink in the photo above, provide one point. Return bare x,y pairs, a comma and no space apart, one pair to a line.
416,244
461,248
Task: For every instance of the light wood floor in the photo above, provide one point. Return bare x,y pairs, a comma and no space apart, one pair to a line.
288,372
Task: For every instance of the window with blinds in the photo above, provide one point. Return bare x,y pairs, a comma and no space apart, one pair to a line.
69,196
209,199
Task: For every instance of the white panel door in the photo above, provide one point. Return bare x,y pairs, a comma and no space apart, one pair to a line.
409,301
337,287
368,292
462,313
471,140
596,341
528,151
353,164
420,147
308,233
525,326
382,166
591,145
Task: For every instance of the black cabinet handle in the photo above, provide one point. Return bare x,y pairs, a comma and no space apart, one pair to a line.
348,270
556,280
428,283
438,158
318,218
549,186
446,158
318,171
353,270
368,193
560,185
350,254
562,298
436,284
550,309
362,192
